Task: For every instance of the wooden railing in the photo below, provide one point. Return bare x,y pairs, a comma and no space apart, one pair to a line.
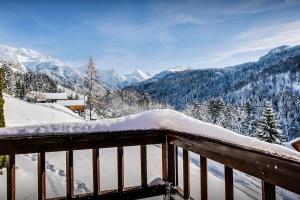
271,169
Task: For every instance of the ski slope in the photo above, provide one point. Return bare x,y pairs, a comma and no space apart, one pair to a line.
20,113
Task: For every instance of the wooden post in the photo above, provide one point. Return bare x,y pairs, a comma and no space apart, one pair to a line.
176,166
143,154
171,163
228,183
41,176
164,161
203,177
69,174
120,169
96,172
186,174
268,191
11,177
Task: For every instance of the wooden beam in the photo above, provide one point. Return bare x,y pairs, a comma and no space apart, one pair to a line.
268,191
176,166
120,169
60,142
41,176
203,177
164,162
11,177
128,193
171,163
186,174
273,169
96,172
228,183
69,174
143,154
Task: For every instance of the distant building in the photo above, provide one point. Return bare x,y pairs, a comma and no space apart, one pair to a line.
74,105
42,97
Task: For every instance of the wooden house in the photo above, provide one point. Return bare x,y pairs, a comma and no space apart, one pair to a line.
74,105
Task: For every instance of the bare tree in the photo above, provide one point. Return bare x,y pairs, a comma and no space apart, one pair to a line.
91,84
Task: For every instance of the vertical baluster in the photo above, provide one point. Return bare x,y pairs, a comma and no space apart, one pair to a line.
164,161
41,176
69,174
96,172
228,183
120,169
11,177
203,177
176,165
171,163
186,174
143,154
268,191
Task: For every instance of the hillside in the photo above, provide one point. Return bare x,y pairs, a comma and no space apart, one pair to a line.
278,71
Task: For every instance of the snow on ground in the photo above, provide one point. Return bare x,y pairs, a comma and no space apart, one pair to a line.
19,113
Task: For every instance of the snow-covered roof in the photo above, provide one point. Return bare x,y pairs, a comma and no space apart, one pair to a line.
42,96
79,102
154,120
55,96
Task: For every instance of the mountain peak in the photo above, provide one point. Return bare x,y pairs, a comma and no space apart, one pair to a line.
279,49
273,53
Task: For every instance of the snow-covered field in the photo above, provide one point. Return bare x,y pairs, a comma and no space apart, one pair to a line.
19,113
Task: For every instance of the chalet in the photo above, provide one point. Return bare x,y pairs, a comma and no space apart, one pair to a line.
74,105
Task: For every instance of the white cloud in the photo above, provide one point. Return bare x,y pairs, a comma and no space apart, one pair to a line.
259,40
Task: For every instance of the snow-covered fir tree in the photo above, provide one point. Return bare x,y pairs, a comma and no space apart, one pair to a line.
215,110
248,119
268,129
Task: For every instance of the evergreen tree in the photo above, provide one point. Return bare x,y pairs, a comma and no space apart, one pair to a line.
145,101
248,120
91,84
20,89
2,122
267,129
216,109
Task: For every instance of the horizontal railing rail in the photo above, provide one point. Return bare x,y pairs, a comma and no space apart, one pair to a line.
271,169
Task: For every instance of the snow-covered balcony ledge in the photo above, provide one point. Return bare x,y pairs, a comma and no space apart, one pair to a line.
273,164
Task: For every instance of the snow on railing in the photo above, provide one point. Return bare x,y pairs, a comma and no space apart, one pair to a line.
153,120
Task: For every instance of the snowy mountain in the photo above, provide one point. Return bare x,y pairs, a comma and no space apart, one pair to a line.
280,65
29,60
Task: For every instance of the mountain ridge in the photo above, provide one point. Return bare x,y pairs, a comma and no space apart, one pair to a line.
25,60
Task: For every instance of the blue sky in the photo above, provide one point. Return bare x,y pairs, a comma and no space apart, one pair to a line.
151,35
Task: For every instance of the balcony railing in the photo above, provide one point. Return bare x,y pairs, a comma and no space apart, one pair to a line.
271,169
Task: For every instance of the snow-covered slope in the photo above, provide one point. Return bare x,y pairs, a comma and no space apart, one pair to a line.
137,76
19,113
29,60
112,79
164,73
